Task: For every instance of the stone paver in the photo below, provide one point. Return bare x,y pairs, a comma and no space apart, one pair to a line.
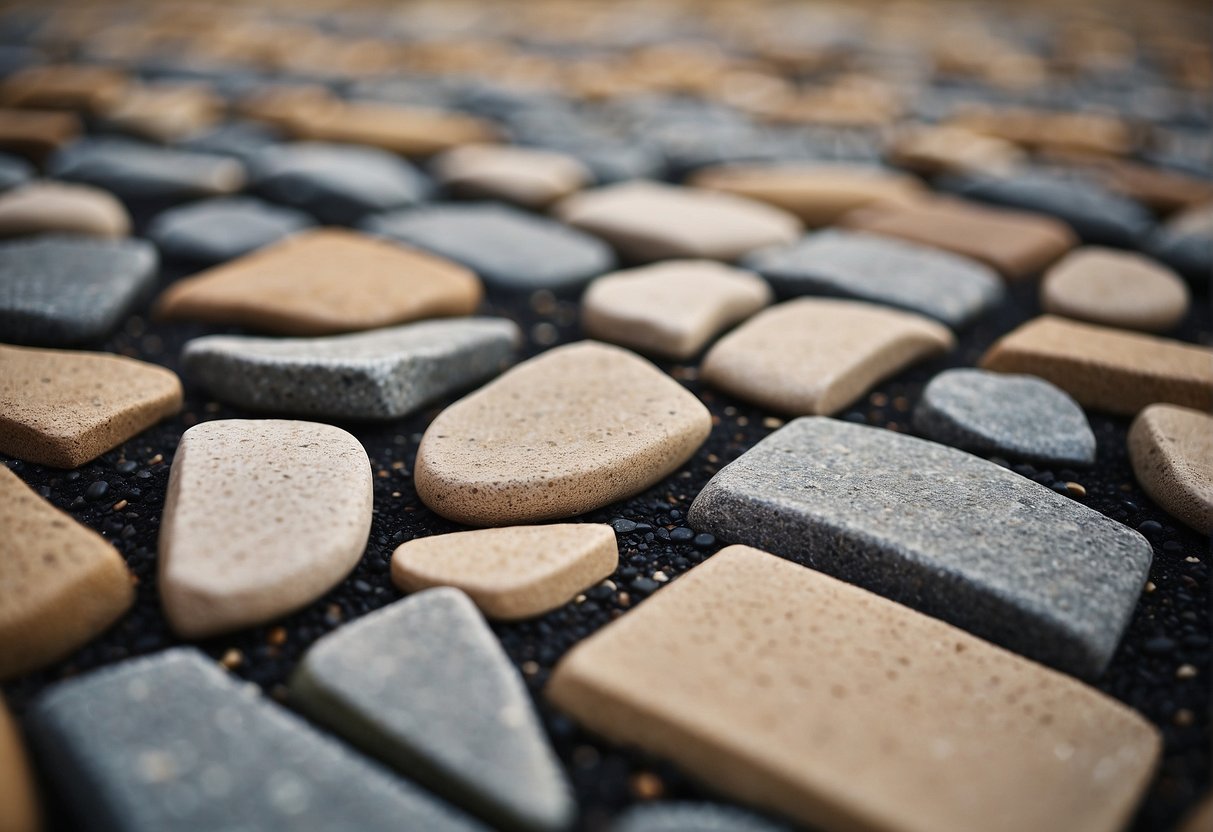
1107,369
576,428
216,230
998,413
240,139
671,309
818,355
931,526
382,374
1171,450
262,517
54,207
64,408
62,87
514,572
530,177
939,150
408,131
425,686
1115,288
163,112
19,811
787,689
172,742
691,817
61,583
137,171
36,134
323,282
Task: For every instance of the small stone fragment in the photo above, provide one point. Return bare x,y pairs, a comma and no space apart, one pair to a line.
53,207
217,230
530,177
692,817
1171,450
19,810
1115,288
136,171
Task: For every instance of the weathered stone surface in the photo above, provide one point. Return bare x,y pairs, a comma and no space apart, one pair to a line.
1171,450
1115,288
381,374
530,177
137,171
53,207
795,692
262,517
930,526
425,686
691,817
19,811
222,229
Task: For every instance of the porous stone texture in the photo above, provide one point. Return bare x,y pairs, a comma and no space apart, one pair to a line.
514,572
951,289
817,356
137,171
61,585
530,177
261,518
509,248
692,817
795,692
216,230
19,811
1107,369
323,282
425,686
576,428
930,526
65,408
54,207
171,742
998,413
1171,450
65,290
671,309
1115,288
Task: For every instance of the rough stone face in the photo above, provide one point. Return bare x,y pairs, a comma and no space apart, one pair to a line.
59,291
692,817
262,517
381,374
53,207
19,810
996,413
529,177
792,691
576,428
953,290
1171,450
1115,288
930,527
222,229
137,171
171,742
425,686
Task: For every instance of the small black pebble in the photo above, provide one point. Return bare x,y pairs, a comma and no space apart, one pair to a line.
682,535
705,540
97,490
622,526
126,466
1159,646
1150,528
645,586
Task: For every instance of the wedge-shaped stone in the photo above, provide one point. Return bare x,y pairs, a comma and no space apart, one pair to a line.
1171,449
530,177
261,518
931,527
138,171
785,688
61,584
171,742
816,356
652,221
64,408
692,817
425,686
1107,369
50,207
1115,288
514,572
953,290
574,429
216,230
324,282
381,374
671,309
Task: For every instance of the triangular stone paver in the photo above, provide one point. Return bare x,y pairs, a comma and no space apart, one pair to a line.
138,171
55,207
530,177
19,811
172,742
425,686
1171,449
514,572
61,583
323,282
574,429
692,817
930,526
217,230
381,374
1115,288
817,356
795,692
65,408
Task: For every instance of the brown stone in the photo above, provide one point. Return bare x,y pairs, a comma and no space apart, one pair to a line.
525,176
163,112
404,130
36,134
1171,449
62,87
48,207
938,150
19,810
1115,288
1051,130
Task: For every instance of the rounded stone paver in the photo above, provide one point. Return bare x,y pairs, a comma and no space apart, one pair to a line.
137,171
53,207
36,134
1171,450
939,150
216,230
1115,288
530,177
409,131
19,811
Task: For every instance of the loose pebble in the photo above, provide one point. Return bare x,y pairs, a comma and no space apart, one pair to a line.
1171,450
216,230
136,171
1115,288
529,177
53,207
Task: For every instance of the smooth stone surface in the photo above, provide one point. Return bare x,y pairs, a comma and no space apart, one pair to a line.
425,686
408,131
53,207
787,689
62,290
930,527
62,86
1115,288
381,374
509,248
336,183
19,811
691,817
671,309
323,282
514,572
1171,450
996,413
951,289
1185,243
163,112
818,355
172,742
216,230
64,408
1107,369
137,171
646,221
262,517
241,139
939,150
574,429
525,176
14,171
61,583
